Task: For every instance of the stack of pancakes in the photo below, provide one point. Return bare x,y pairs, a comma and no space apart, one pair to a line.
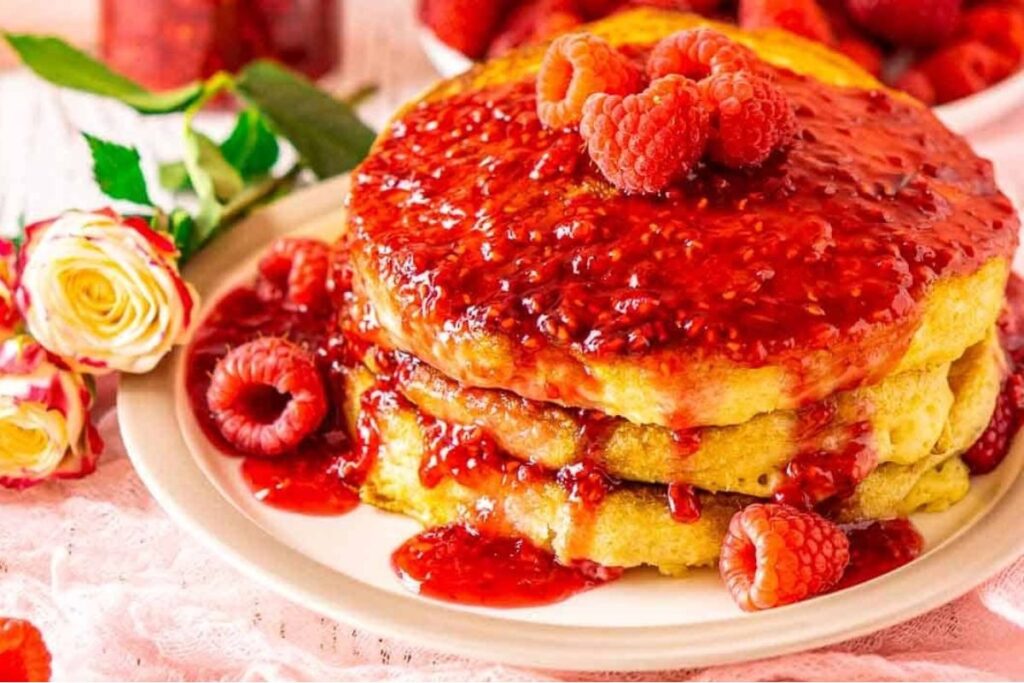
820,330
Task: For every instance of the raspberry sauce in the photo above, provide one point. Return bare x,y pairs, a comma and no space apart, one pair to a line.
878,548
472,567
310,485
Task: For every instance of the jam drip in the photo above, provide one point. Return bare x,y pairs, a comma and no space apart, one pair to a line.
683,503
462,452
878,548
462,564
322,476
833,459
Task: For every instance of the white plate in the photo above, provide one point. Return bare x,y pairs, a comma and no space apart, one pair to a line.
963,116
339,566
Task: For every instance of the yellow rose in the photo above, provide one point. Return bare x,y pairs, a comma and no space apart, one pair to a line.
103,292
44,417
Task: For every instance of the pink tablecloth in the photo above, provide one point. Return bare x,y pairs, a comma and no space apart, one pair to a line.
121,593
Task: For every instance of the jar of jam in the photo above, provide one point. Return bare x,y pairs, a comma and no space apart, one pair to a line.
167,43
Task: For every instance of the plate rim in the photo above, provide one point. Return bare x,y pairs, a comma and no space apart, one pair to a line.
146,406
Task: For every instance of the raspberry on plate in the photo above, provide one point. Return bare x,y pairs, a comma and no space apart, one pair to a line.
994,443
775,555
23,654
575,67
802,17
301,268
642,142
266,396
965,68
751,118
698,53
466,25
914,23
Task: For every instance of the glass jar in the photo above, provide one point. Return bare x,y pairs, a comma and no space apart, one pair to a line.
167,43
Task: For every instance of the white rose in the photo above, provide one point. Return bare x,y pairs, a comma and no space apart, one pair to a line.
103,292
44,417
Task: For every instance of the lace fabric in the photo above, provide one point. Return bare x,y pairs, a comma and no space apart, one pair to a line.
121,593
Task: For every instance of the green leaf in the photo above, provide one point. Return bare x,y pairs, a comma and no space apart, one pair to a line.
182,229
19,237
252,147
117,171
174,176
59,63
326,132
214,179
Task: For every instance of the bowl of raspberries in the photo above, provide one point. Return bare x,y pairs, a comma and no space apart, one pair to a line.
963,57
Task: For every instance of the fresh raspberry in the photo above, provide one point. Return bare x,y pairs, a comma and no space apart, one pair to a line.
23,654
750,119
992,446
698,53
466,25
301,268
642,142
965,68
775,555
802,17
998,26
863,52
575,67
915,83
535,21
914,23
266,396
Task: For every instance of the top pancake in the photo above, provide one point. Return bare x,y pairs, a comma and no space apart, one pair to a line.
494,250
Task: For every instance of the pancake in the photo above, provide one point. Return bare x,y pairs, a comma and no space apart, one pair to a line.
491,249
907,414
631,526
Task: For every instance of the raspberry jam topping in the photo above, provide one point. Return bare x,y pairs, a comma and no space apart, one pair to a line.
878,548
477,218
462,564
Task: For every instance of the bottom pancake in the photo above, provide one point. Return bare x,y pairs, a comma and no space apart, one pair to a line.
630,524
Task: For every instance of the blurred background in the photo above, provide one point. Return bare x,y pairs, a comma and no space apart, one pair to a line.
961,56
